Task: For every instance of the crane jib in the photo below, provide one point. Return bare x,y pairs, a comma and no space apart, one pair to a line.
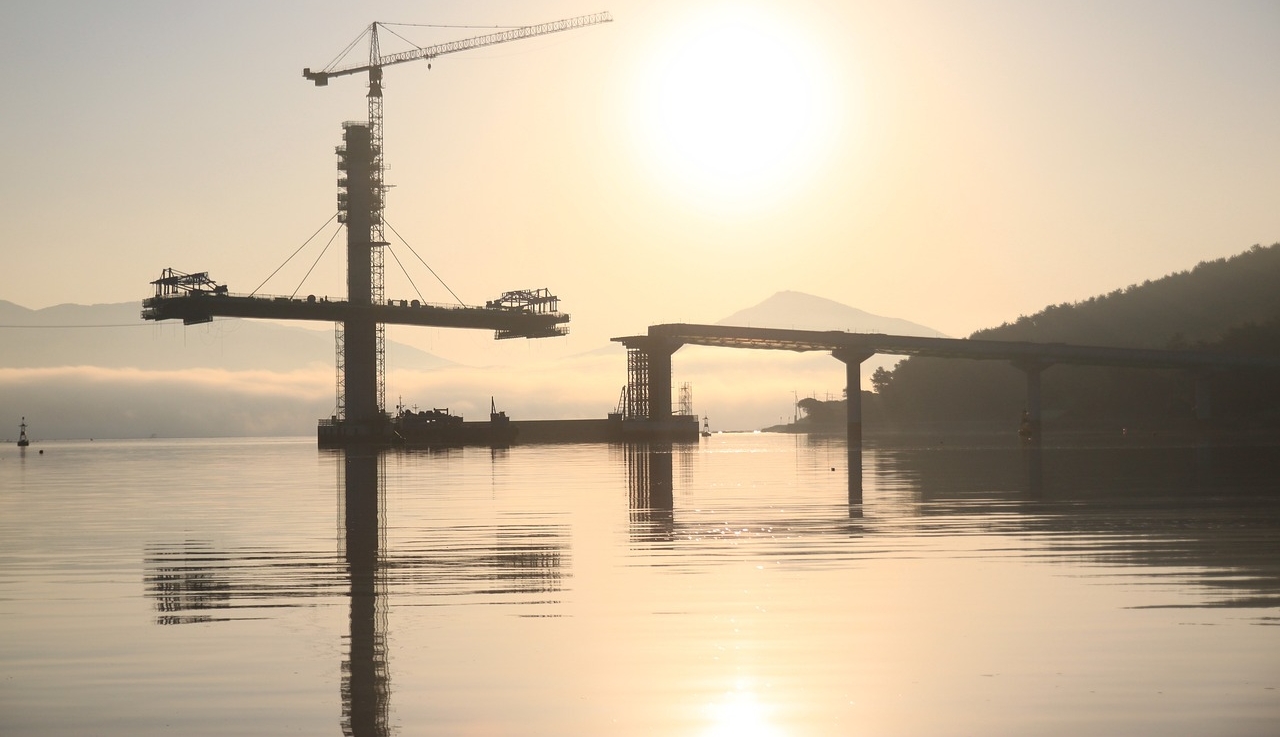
321,78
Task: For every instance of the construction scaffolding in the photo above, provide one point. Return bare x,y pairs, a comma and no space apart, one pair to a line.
685,404
637,392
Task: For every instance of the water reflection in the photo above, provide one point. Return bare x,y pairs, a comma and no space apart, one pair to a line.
1213,509
801,595
739,713
650,490
184,583
191,581
366,689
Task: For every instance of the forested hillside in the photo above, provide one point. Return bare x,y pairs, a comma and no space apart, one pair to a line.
1230,304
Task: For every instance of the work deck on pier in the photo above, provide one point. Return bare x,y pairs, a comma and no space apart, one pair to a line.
197,307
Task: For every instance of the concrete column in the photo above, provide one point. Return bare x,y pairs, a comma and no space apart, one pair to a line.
360,358
852,359
1204,422
660,351
1033,370
853,405
1033,402
1204,397
360,374
659,383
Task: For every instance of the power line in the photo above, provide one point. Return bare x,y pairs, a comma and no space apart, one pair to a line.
116,325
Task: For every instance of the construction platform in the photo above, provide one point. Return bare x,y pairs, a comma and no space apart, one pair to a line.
451,431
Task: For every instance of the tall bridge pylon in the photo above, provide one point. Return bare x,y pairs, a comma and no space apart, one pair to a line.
368,189
360,414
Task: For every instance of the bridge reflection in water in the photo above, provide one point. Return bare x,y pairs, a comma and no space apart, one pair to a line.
1096,502
366,690
194,582
651,481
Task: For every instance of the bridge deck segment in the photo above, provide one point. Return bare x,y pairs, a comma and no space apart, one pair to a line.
677,334
197,307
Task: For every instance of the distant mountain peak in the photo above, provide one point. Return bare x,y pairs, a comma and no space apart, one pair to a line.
800,311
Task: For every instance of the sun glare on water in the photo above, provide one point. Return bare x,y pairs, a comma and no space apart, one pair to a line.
735,109
739,714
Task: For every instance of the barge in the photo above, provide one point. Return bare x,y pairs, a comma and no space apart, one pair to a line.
438,428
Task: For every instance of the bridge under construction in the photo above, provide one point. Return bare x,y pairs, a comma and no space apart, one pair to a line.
649,366
360,415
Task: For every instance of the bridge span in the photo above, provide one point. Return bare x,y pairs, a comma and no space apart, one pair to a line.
193,307
652,354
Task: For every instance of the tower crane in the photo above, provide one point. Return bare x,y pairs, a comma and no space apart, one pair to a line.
377,61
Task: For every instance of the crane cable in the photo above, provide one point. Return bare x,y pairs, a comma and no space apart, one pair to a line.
387,28
449,25
402,38
343,54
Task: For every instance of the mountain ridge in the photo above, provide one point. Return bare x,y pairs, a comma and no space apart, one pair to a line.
1228,304
801,311
792,310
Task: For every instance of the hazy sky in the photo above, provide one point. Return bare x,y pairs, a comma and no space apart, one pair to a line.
952,163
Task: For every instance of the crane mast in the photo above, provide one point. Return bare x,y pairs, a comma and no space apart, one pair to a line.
376,234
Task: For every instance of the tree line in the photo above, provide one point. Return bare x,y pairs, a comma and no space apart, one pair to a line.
1229,305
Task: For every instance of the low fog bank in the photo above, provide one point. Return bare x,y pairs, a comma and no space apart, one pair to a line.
92,402
738,390
252,378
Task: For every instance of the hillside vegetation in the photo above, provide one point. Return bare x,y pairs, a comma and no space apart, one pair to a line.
1230,305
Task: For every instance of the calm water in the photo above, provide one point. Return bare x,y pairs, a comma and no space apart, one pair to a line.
263,587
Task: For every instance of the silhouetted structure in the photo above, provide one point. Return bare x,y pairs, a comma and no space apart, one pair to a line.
654,351
360,415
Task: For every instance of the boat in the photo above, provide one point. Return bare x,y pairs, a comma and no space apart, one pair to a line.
22,434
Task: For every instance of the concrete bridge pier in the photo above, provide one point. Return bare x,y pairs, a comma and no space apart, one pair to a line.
852,359
1033,425
360,343
659,351
1204,398
1204,432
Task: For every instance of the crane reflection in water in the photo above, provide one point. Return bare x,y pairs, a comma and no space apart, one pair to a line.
194,582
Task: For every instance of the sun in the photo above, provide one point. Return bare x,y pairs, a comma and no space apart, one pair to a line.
734,109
